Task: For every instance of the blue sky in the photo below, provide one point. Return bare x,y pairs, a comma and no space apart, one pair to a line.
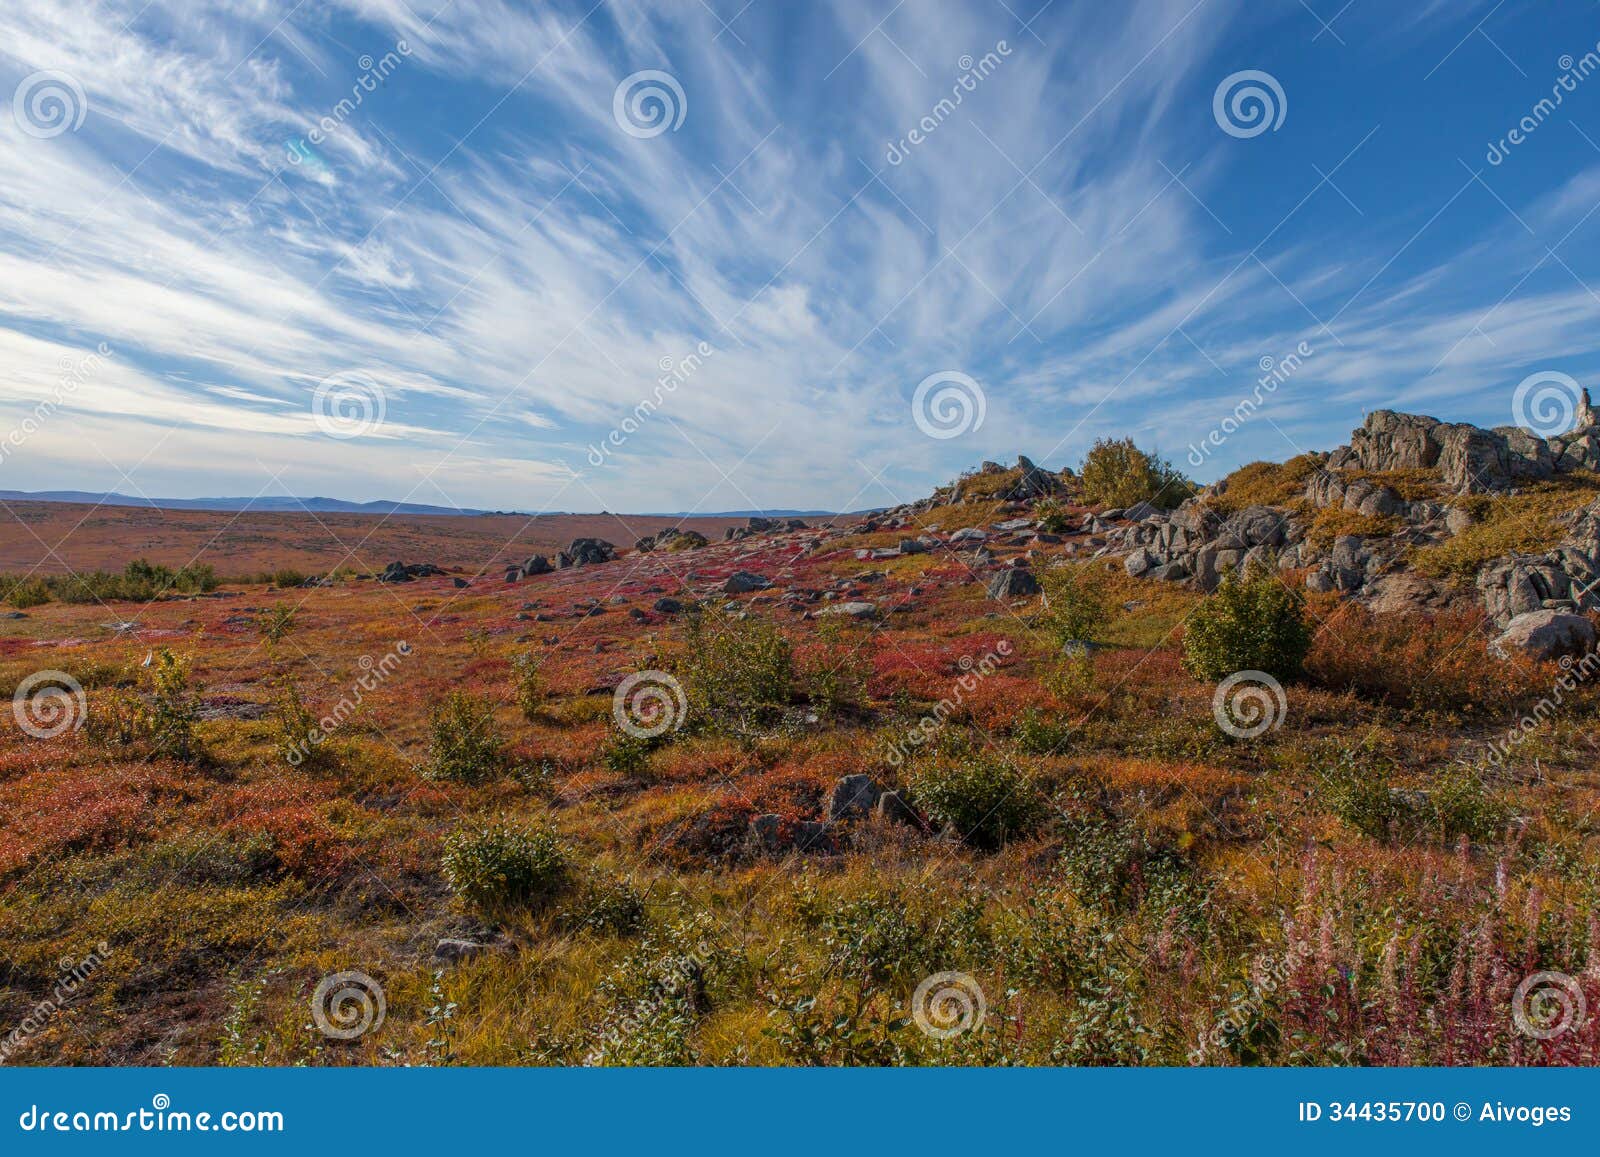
483,254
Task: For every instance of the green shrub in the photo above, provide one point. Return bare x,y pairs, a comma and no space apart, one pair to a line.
140,580
503,865
466,745
277,623
836,672
25,593
984,799
531,691
1077,606
1050,518
1117,473
1251,624
172,710
1036,735
627,754
297,733
736,672
1458,803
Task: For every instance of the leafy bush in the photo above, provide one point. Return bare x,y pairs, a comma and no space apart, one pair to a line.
1077,604
627,754
1050,518
531,691
172,712
466,745
1036,735
23,593
736,671
1255,623
297,732
984,799
502,865
1117,473
277,623
1457,804
140,580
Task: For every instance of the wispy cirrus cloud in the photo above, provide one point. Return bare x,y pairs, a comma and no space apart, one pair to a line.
480,238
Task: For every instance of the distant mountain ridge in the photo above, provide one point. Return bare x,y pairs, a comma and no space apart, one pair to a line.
283,504
269,504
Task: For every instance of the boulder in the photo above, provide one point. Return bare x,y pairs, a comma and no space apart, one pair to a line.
742,582
851,610
1013,583
1139,562
585,552
1546,634
853,795
892,806
456,951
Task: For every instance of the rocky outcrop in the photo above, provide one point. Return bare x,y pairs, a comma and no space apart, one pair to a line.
1468,459
1196,544
400,572
585,552
673,539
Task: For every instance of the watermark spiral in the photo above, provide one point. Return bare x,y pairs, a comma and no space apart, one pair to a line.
948,404
1547,1004
1248,103
347,1005
47,104
48,703
649,103
348,404
1249,703
948,1004
648,704
1546,402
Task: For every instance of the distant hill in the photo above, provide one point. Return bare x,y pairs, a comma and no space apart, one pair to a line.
268,504
738,514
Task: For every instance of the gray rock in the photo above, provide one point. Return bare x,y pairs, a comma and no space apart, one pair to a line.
586,552
893,807
1547,635
1013,583
743,582
453,951
852,796
853,610
968,534
1139,562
